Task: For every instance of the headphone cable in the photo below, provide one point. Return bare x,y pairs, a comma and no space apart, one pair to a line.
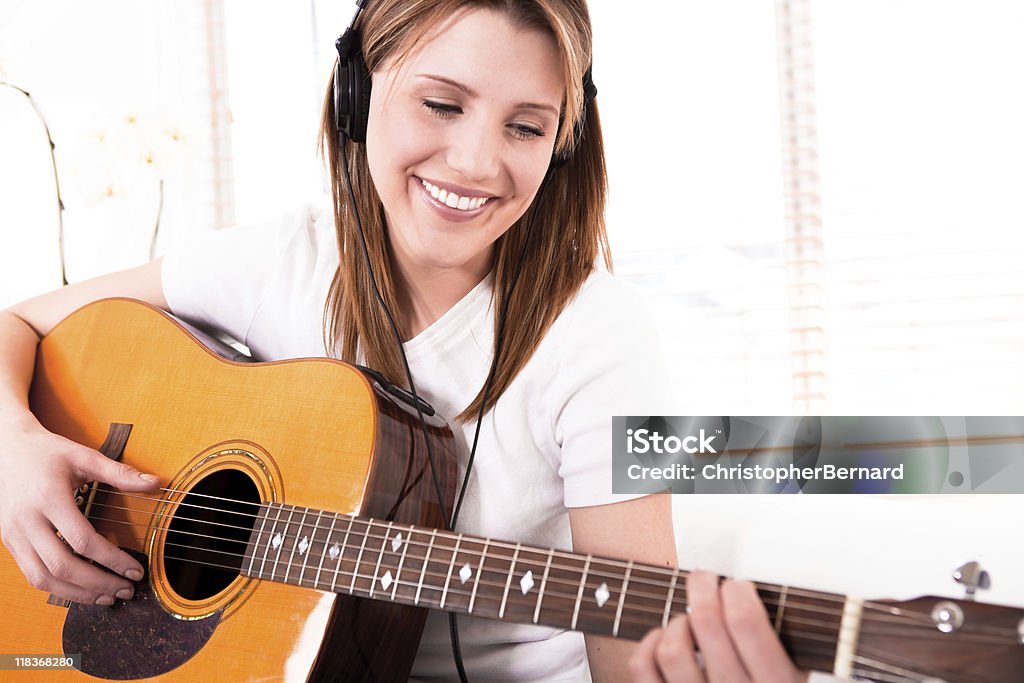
499,341
398,337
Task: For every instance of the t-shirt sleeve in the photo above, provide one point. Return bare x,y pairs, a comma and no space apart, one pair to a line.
220,279
611,364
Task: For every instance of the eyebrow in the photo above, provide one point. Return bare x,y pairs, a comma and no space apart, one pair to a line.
472,93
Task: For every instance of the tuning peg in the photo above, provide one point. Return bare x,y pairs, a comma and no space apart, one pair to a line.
972,577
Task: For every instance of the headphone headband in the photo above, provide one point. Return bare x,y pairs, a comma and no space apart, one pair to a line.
352,89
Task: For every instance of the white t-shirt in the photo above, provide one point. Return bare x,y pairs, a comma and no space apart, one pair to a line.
545,447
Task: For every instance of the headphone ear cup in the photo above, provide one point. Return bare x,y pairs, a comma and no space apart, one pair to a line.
562,158
589,93
360,89
351,88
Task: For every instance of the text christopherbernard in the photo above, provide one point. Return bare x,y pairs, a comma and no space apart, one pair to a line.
718,472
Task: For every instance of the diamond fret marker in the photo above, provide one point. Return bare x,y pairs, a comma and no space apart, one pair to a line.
396,543
465,573
602,594
334,552
303,545
526,583
276,541
386,580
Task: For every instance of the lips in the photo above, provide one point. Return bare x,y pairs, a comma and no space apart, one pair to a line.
452,202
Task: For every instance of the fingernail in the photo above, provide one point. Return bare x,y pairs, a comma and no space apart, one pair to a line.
105,600
133,574
125,593
148,477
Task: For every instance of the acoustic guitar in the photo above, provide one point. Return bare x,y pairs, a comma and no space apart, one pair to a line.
296,535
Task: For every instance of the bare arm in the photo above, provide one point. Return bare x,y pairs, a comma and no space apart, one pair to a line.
41,470
639,530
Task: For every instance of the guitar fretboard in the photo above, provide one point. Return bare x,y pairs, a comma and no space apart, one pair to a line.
499,580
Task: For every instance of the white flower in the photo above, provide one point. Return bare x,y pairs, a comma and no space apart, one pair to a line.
124,155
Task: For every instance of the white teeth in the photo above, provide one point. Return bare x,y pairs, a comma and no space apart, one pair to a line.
453,200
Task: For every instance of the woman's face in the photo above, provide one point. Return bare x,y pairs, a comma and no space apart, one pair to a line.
460,137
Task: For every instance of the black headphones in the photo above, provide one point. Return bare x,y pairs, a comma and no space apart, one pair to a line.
352,90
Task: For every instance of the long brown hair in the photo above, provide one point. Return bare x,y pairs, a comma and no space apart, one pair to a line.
569,233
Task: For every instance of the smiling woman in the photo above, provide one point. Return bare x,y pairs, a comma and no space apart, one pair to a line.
483,162
470,116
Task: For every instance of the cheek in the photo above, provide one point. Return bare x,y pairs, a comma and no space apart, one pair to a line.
529,173
395,142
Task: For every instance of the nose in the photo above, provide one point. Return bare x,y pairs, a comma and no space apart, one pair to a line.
474,151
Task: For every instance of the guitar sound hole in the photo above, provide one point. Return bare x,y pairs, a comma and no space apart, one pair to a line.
206,539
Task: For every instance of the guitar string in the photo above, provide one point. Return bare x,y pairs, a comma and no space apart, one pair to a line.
290,563
421,544
667,573
586,610
789,633
880,677
464,551
922,618
888,668
887,609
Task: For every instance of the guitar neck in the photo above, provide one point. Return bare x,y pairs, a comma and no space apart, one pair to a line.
499,580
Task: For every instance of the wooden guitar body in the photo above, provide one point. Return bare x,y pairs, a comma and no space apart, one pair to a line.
316,433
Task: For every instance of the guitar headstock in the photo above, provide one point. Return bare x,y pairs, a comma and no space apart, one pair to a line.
940,639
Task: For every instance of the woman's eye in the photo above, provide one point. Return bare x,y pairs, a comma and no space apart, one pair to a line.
441,109
444,110
524,132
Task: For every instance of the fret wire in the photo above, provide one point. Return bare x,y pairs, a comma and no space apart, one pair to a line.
887,667
284,542
341,554
579,594
426,561
543,583
315,581
622,600
256,545
401,561
668,600
329,538
511,572
359,559
380,556
479,570
780,609
273,535
305,555
451,566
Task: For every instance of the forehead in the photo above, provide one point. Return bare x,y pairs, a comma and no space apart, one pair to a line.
481,49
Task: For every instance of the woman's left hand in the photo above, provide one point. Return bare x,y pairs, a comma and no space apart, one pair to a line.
730,627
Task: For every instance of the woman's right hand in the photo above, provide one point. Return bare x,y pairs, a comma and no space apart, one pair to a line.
41,472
